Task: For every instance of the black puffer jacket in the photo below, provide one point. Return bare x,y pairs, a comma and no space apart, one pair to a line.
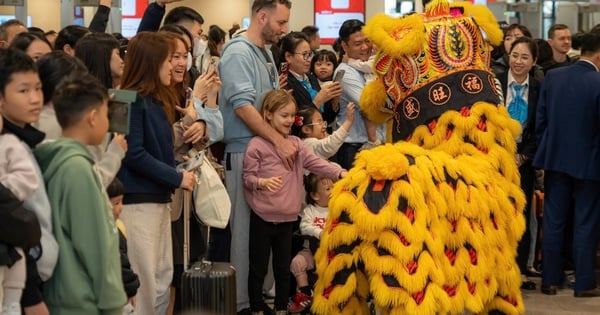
19,227
130,278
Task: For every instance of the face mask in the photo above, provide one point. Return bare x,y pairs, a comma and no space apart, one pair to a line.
199,47
189,61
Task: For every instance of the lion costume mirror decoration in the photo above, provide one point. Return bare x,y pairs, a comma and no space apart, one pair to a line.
430,223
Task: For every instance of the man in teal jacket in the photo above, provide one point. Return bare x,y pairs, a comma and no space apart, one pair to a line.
87,278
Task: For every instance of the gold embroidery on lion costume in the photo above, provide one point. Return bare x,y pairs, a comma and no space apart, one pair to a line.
430,224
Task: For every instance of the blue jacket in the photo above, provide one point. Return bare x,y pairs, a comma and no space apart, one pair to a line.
148,170
568,122
247,76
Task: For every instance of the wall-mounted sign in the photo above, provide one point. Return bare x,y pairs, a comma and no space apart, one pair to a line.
18,3
330,14
132,13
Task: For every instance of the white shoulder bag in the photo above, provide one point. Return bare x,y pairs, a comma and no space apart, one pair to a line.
210,199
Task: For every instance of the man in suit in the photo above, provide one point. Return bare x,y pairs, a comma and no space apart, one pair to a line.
567,123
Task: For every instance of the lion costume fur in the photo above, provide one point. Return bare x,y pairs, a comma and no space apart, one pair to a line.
430,223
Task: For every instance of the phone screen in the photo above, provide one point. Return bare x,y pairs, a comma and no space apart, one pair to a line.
284,68
118,117
212,65
188,96
339,75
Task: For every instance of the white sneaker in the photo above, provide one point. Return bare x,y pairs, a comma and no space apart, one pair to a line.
11,309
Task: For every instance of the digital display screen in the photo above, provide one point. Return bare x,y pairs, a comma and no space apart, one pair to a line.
330,14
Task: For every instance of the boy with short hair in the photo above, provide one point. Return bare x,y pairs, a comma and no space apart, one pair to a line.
21,100
18,175
131,282
87,278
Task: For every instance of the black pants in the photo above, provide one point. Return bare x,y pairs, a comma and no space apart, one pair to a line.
527,173
264,237
346,154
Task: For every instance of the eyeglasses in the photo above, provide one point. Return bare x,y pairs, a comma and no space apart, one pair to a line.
322,123
306,55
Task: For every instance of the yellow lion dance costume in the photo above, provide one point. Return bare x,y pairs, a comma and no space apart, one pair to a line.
430,224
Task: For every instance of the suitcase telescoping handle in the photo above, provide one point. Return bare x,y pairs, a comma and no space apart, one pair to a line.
187,199
187,202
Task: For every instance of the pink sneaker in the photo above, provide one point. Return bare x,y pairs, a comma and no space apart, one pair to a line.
301,303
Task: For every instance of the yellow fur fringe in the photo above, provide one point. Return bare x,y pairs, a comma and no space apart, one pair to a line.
445,239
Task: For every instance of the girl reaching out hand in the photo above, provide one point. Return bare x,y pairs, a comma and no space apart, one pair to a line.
274,194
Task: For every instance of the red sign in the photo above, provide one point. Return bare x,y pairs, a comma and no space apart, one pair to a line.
132,12
330,14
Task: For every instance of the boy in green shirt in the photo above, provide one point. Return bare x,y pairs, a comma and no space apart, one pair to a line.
87,278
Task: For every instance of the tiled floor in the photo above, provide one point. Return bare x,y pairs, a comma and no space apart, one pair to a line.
563,303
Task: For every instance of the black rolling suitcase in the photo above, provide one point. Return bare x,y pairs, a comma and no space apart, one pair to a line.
206,287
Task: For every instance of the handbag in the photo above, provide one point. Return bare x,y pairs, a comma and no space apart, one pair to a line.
210,199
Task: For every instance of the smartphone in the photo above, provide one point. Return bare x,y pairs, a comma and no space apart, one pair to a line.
339,75
212,65
284,68
191,164
119,110
188,96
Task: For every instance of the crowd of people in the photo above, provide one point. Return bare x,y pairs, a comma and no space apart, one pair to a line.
102,211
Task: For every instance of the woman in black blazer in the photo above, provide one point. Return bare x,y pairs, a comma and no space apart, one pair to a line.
295,50
521,90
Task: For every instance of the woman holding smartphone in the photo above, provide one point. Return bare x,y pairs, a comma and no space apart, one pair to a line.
295,50
148,170
190,130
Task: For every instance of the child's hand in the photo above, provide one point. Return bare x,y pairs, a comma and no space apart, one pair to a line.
343,174
271,184
119,140
350,109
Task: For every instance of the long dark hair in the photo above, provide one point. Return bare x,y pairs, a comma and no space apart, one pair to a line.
95,50
216,35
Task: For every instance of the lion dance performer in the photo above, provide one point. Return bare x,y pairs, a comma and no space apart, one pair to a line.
430,223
